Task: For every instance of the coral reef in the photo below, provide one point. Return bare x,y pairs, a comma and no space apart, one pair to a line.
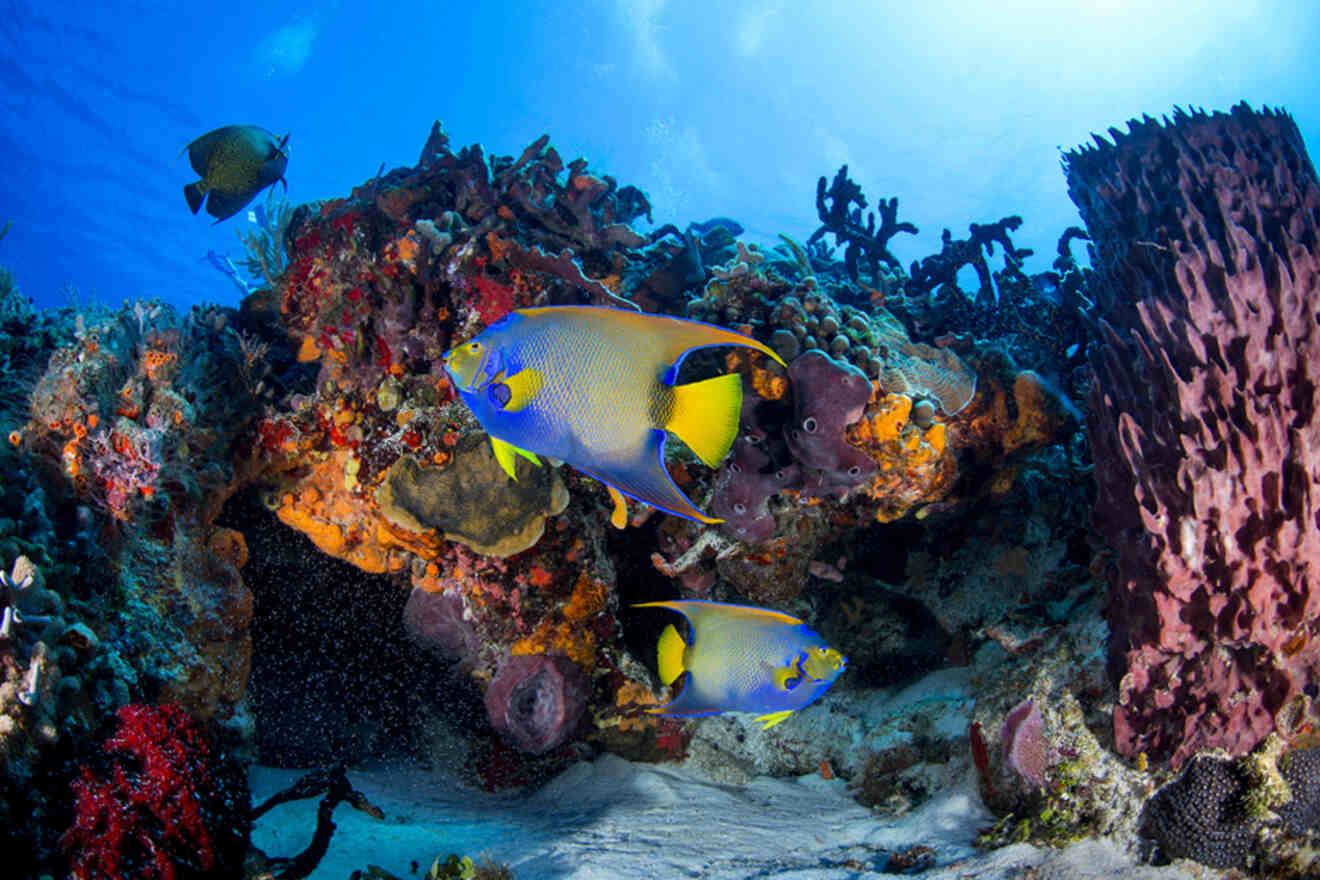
142,418
1203,423
837,215
914,455
169,803
291,492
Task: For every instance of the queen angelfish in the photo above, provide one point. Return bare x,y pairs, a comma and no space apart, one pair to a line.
594,387
739,658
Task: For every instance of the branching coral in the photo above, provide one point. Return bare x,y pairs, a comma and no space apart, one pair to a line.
942,268
169,803
837,216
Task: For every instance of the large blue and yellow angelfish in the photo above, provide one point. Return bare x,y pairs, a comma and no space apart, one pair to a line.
594,387
743,659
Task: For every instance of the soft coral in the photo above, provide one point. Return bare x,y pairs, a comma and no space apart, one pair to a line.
168,803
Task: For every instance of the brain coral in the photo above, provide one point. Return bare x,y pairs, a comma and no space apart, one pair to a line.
1207,813
1200,816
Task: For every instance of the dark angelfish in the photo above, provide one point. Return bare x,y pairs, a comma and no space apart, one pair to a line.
236,162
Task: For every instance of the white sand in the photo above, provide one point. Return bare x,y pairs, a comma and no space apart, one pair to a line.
614,820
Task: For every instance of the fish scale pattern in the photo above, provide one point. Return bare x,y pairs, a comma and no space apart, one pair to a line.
1204,423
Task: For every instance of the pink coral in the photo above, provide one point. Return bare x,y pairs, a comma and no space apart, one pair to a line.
1023,739
1204,423
169,805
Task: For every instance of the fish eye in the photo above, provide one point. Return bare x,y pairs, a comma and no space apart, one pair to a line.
474,347
809,425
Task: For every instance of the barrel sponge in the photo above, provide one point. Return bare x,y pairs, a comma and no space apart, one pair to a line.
536,700
1204,422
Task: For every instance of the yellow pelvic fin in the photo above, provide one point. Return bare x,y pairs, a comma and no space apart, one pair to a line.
523,386
705,416
505,452
769,721
619,517
670,655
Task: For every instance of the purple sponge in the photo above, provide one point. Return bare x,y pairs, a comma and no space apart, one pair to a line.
536,700
435,622
1023,737
828,396
744,485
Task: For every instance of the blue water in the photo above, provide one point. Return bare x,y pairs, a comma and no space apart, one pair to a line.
717,108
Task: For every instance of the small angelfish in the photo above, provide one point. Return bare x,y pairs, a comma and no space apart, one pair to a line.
594,387
236,162
743,659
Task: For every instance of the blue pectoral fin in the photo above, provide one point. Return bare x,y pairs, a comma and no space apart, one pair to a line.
648,481
684,706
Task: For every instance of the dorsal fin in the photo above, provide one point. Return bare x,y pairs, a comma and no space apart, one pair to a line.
669,339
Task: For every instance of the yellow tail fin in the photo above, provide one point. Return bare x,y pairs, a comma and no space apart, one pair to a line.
669,656
705,416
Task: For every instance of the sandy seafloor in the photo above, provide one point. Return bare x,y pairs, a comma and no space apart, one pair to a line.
611,819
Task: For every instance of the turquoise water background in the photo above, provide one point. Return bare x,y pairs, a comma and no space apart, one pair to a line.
725,108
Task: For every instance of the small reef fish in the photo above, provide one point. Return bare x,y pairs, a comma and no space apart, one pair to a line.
594,387
702,228
743,659
236,162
